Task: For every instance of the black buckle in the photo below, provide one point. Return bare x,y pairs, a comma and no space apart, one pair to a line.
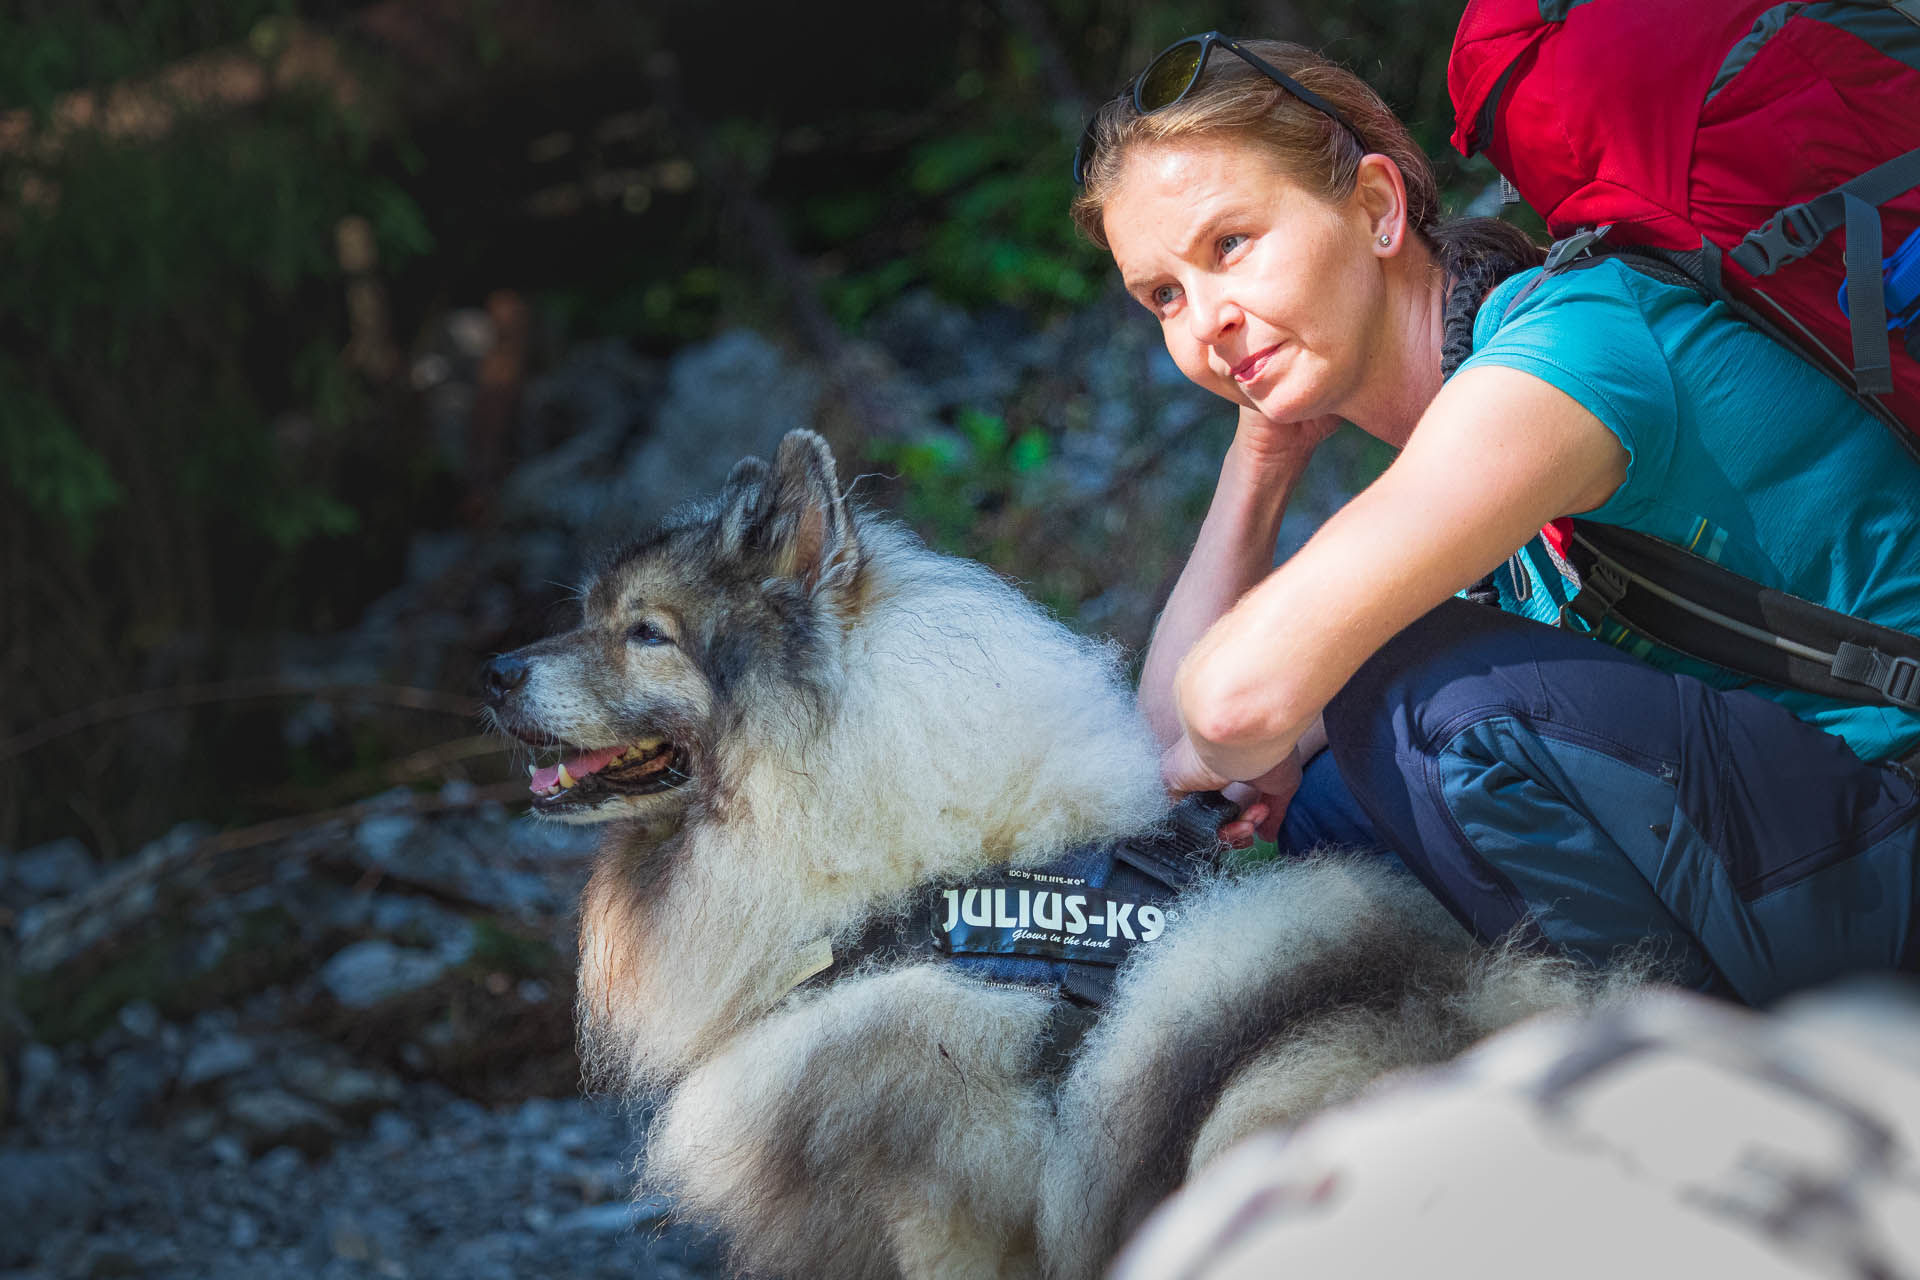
1787,236
1601,582
1902,685
1579,244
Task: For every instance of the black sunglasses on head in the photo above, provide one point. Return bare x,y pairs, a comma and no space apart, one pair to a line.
1173,73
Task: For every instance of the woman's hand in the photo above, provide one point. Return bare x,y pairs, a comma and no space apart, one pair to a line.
1262,800
1280,448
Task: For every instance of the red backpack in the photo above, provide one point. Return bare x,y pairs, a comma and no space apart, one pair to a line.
1770,150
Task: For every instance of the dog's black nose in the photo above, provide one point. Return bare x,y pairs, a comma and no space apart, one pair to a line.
502,676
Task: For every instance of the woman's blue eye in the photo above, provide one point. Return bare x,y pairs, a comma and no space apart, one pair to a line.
1229,243
1164,295
647,633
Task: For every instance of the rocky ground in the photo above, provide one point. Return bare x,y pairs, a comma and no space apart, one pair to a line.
400,1103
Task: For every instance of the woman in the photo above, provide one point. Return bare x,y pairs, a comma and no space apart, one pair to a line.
1280,224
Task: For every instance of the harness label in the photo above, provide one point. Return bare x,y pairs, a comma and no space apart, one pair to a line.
1038,913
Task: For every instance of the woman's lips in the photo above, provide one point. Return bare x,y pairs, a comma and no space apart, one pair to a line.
1252,367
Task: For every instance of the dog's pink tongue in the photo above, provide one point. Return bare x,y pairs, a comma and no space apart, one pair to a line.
579,767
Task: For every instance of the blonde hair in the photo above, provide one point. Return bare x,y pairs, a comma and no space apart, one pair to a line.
1234,100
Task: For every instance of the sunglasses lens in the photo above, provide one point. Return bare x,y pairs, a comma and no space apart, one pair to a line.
1171,75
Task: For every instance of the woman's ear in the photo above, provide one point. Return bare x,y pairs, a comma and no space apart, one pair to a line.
1380,192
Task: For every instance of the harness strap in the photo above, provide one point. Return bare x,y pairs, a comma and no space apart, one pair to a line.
1152,868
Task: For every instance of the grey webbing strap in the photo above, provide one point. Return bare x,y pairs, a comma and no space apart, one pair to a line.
1866,298
1797,230
1909,7
1897,679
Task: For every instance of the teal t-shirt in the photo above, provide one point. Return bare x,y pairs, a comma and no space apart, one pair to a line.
1737,450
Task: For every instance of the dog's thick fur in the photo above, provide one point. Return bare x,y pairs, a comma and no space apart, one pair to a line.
850,719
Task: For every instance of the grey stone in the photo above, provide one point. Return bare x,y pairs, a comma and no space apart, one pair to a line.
432,556
43,1193
269,1118
558,842
100,1259
368,973
613,1218
375,1234
212,1022
217,1057
599,1180
383,835
135,1080
352,1091
40,1071
50,870
280,1166
552,1159
717,409
464,1116
391,1129
243,1230
140,1018
535,1118
197,1127
458,791
228,1150
420,922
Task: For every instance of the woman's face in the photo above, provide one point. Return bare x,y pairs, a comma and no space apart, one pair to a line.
1266,295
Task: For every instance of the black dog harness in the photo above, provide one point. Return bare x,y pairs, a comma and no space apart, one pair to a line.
1067,925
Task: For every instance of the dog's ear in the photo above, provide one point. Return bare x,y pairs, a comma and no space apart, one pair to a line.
811,531
743,505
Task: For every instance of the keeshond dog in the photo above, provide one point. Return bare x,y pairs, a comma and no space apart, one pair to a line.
797,722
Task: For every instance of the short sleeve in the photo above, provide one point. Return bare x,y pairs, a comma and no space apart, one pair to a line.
1586,333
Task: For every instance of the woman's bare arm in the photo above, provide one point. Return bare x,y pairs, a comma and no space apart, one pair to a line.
1497,454
1233,552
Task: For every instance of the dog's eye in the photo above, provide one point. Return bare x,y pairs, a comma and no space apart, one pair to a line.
647,633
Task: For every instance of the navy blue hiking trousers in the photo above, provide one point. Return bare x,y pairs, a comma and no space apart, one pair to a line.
1539,781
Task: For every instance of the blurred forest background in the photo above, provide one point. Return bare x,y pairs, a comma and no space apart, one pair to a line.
336,335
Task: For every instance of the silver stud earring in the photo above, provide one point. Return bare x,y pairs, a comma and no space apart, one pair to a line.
1385,241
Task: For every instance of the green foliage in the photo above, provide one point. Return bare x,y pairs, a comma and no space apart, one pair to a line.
993,198
52,48
170,965
158,255
949,480
50,467
502,950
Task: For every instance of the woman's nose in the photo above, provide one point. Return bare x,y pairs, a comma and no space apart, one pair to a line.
1211,316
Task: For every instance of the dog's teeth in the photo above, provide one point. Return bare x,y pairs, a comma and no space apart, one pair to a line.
651,744
530,769
566,779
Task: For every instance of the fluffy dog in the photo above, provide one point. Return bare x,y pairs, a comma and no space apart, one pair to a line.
797,721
